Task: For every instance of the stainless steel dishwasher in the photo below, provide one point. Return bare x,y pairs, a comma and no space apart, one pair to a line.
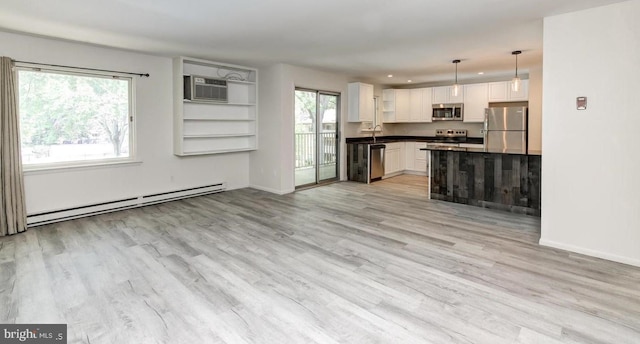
376,162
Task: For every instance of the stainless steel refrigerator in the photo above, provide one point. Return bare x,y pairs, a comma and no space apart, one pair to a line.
505,130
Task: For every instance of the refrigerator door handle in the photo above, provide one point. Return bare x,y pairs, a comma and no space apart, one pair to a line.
484,131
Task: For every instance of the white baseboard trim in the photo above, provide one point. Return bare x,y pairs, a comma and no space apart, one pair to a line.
590,252
392,174
415,173
57,215
270,190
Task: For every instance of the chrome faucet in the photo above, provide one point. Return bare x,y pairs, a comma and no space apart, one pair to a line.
373,132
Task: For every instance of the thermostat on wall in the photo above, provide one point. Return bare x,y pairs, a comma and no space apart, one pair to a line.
581,103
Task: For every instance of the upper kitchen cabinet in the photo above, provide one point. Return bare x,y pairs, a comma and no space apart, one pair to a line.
388,105
360,102
406,105
444,95
402,106
475,101
427,96
502,92
396,103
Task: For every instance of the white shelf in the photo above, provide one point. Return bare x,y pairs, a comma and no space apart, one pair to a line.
202,127
221,151
221,119
213,136
241,82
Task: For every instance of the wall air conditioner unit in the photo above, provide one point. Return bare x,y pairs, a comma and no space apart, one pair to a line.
200,88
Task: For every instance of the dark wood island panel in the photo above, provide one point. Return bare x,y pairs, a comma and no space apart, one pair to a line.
491,180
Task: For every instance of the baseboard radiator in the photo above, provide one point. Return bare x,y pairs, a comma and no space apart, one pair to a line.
44,218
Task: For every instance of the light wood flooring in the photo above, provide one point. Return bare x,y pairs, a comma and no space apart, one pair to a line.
343,263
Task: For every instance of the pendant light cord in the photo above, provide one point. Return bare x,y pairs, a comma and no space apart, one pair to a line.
516,52
456,63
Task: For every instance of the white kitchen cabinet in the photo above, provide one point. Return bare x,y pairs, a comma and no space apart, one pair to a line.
395,105
420,158
427,104
416,160
403,105
394,159
406,105
360,102
502,92
523,92
475,101
444,95
409,153
415,105
388,105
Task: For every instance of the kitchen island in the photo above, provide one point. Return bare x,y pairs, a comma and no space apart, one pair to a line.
401,154
505,181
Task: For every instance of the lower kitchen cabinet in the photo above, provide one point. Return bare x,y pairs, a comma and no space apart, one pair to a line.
393,158
416,160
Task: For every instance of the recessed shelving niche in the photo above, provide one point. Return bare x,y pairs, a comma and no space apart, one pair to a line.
203,127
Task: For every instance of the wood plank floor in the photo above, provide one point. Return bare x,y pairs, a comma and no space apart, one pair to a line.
344,263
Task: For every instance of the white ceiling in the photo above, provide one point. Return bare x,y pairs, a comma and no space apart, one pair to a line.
365,39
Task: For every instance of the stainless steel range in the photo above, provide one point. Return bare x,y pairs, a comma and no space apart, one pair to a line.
450,137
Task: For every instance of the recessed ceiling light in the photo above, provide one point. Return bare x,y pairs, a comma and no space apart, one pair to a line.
390,76
480,73
409,80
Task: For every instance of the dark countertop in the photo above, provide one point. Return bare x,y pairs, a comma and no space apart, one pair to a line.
390,139
474,150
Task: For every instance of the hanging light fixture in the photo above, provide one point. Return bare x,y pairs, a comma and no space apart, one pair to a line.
455,89
516,82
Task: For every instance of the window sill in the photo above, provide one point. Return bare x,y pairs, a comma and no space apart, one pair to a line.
65,168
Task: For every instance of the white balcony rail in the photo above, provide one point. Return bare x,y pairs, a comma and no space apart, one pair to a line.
305,145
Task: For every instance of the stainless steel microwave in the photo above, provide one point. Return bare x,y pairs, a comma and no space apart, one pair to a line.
447,112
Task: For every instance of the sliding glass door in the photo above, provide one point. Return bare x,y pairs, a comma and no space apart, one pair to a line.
316,136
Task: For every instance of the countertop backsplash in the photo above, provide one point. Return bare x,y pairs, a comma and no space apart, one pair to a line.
429,129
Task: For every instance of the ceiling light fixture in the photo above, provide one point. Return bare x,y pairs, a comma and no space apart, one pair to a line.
455,90
409,80
390,76
480,73
515,83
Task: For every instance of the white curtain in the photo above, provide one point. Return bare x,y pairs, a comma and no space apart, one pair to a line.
13,215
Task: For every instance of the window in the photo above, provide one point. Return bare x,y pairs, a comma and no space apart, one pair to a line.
71,118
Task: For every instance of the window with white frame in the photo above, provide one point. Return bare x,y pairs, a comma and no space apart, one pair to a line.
70,117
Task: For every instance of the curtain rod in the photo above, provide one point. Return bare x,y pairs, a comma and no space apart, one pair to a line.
93,69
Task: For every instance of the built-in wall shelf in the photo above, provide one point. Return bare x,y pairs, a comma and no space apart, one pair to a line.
220,119
214,127
217,103
219,151
216,136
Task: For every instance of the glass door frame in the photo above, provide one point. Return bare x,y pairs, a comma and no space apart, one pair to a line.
318,140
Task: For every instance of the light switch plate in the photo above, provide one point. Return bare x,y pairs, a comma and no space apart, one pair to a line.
581,103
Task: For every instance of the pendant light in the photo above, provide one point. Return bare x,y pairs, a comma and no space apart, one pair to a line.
455,89
516,82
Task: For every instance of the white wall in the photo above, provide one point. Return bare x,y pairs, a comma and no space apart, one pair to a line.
265,171
591,165
535,108
159,171
272,165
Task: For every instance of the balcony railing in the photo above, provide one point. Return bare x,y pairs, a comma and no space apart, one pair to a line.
305,149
